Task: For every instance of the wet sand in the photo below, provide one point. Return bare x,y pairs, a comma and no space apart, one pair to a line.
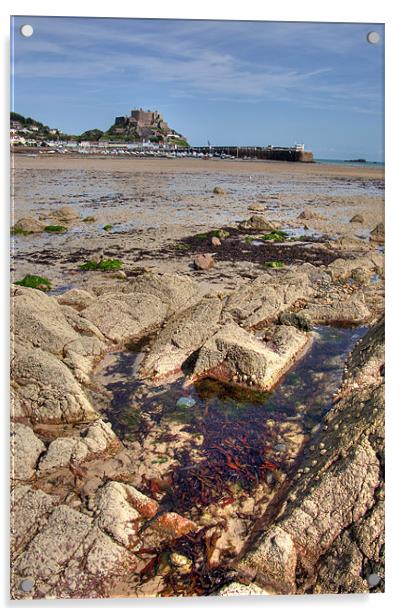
154,205
193,165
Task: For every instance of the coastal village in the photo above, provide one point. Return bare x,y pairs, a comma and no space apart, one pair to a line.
142,133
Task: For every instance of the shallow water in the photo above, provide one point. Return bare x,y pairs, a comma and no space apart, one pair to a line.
235,432
220,462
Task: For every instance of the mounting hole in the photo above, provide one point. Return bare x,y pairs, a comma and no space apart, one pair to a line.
26,30
373,37
373,580
27,585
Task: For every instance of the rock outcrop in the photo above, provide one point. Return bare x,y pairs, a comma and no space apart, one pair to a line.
234,355
181,336
261,301
326,532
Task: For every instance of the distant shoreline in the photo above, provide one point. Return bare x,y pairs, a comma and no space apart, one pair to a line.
351,163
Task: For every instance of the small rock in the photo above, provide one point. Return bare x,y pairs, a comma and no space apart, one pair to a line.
309,215
357,218
256,207
216,241
217,190
204,262
181,562
258,223
65,214
185,402
27,225
377,235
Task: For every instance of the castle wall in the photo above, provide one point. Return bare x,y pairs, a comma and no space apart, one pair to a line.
146,118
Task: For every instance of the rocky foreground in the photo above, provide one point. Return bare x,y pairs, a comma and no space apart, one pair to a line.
80,524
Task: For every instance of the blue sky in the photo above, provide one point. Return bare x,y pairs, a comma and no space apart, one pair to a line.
248,83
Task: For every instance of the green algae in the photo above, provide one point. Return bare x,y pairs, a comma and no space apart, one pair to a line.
35,282
104,265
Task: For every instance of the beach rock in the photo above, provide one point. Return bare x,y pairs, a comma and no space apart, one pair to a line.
377,235
182,335
118,507
255,363
341,269
216,241
204,262
350,311
257,223
175,291
69,554
39,320
30,510
236,588
296,320
335,510
26,449
48,389
121,316
358,218
69,558
263,299
97,441
310,215
65,214
77,298
217,190
257,207
28,225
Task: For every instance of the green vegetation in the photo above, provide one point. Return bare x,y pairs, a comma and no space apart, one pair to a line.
35,282
105,265
19,231
94,134
220,233
182,246
55,229
276,236
107,227
249,239
273,264
180,143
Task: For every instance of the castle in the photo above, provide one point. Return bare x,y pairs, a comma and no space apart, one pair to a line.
144,124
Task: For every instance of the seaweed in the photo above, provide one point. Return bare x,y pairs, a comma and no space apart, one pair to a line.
35,282
104,265
55,229
275,236
273,264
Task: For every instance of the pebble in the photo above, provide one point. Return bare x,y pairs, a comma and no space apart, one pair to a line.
323,452
185,402
181,562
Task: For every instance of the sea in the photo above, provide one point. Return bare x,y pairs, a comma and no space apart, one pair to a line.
335,161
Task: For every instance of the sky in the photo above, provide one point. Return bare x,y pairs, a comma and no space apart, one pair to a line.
226,82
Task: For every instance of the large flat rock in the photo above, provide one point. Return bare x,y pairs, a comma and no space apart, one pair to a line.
235,355
262,300
181,336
